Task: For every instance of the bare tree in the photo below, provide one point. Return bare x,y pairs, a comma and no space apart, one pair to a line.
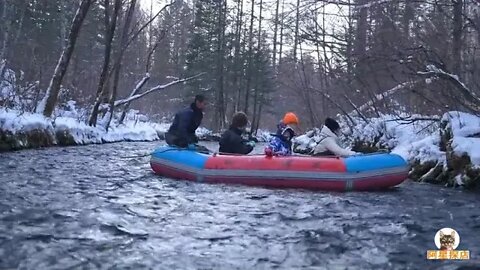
124,42
275,33
110,25
457,34
250,59
237,76
257,90
280,50
296,37
361,29
47,104
5,27
220,94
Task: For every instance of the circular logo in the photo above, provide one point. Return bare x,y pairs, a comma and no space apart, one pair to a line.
447,239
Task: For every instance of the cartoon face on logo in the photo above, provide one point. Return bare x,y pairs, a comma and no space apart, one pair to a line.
447,239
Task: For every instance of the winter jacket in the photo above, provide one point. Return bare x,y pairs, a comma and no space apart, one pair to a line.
232,142
185,123
278,145
329,145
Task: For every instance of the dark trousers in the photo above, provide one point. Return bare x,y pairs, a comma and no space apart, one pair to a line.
174,140
325,154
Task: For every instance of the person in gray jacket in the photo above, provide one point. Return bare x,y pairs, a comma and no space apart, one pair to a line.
329,141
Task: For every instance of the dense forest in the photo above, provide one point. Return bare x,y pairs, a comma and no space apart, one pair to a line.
264,57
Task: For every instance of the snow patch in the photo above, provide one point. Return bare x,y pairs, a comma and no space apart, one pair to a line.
391,130
424,150
81,133
16,122
466,134
462,124
459,180
264,135
469,146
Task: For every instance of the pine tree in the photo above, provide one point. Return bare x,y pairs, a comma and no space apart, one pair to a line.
206,53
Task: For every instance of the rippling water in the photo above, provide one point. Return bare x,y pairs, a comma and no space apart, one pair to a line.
92,207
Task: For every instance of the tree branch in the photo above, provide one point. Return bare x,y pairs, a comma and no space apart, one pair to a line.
364,118
154,89
472,101
380,97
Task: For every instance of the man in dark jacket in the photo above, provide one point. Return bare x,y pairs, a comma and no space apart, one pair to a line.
185,123
231,141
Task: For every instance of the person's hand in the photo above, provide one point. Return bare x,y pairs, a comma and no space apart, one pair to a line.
268,152
192,147
251,143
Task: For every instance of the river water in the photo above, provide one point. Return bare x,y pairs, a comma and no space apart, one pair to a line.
93,207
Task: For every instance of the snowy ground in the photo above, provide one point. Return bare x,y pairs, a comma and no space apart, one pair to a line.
136,127
415,138
15,123
466,134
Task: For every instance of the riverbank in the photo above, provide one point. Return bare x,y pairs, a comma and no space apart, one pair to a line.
23,130
440,149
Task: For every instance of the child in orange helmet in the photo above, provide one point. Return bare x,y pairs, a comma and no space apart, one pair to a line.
288,120
281,143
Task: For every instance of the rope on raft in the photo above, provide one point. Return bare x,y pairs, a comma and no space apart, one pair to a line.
208,152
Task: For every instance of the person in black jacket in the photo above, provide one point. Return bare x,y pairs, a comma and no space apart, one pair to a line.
185,123
231,141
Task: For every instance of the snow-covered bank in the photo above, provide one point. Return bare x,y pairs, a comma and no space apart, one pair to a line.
443,150
28,130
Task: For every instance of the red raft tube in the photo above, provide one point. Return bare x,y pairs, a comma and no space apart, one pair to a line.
358,173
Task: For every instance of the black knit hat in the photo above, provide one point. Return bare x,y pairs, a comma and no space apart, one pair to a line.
200,98
332,124
239,120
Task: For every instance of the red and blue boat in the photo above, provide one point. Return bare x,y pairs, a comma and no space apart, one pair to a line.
357,173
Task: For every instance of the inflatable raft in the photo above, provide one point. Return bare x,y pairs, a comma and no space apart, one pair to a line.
359,173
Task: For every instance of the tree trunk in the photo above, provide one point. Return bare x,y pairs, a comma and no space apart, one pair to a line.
326,61
5,27
257,123
259,44
237,61
322,69
47,104
360,46
119,58
250,59
280,50
306,91
349,40
296,38
257,89
275,31
20,24
408,17
457,35
220,102
110,25
477,25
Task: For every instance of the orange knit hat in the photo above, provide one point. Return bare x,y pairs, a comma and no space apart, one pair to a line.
290,118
